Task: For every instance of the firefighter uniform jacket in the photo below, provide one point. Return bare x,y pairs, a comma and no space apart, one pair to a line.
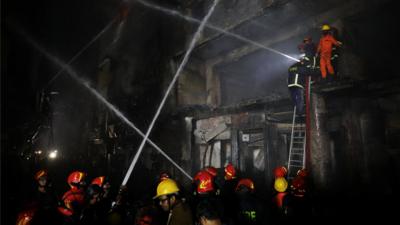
296,76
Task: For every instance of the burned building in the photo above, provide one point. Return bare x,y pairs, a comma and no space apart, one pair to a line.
223,100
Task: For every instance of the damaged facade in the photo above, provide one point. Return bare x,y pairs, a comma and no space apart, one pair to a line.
231,102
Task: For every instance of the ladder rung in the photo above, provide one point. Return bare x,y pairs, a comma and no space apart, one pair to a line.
297,154
297,166
292,160
297,149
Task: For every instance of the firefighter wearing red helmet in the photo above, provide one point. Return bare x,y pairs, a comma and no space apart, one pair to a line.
204,182
300,202
211,170
280,172
164,176
228,195
74,198
250,209
245,183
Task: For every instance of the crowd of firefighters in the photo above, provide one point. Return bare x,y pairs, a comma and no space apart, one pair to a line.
324,71
217,196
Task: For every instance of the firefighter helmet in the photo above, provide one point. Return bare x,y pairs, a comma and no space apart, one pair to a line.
280,184
39,174
211,170
204,182
325,27
307,40
99,181
230,171
75,178
166,187
302,173
245,182
164,175
280,171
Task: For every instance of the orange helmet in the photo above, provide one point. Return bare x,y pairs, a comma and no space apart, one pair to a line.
75,178
204,182
245,182
211,170
25,217
40,173
280,172
99,181
230,171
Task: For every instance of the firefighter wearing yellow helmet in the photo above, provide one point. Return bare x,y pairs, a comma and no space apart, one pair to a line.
280,184
170,201
325,27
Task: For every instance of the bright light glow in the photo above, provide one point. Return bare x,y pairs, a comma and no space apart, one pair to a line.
53,154
38,152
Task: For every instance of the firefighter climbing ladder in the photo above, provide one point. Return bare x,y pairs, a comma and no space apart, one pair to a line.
299,137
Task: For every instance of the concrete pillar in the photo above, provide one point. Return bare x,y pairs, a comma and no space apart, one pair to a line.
320,145
212,85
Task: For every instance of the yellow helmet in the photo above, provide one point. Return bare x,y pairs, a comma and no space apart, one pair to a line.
280,184
166,187
325,27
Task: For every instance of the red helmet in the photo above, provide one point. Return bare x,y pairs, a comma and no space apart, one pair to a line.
164,176
302,173
40,173
99,181
204,182
245,182
75,177
230,171
71,199
211,170
280,171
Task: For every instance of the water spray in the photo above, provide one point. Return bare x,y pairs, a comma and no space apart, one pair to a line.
80,52
215,28
178,72
75,76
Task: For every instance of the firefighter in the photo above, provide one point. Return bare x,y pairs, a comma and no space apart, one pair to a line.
171,201
91,212
104,202
250,209
309,49
207,214
205,191
280,199
324,50
228,196
73,200
46,200
296,82
300,201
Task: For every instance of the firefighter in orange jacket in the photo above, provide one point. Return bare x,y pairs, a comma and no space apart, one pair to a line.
325,50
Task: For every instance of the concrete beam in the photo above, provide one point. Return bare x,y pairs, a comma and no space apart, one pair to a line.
332,16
